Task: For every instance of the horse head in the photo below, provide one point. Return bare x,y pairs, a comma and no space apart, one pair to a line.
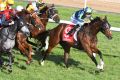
22,25
101,24
36,21
53,13
105,28
49,11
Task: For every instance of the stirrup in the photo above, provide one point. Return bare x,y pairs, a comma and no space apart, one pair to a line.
69,33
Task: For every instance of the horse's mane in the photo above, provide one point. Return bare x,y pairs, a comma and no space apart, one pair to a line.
44,9
92,21
95,19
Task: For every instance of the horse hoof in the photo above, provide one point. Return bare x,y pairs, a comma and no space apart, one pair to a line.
66,66
32,53
28,62
9,70
42,63
99,67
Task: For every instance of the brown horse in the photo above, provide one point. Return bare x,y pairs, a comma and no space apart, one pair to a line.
86,39
21,40
36,27
49,11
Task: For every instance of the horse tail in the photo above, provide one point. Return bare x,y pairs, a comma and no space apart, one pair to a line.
44,39
43,35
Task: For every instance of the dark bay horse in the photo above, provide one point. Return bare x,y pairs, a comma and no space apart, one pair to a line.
86,40
49,11
7,39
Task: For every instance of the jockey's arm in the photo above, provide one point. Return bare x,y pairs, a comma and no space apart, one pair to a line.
79,17
91,18
4,21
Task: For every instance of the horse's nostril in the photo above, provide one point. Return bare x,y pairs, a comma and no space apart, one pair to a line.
109,37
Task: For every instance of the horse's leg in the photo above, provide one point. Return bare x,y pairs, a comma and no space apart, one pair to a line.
24,47
20,43
101,60
1,61
29,54
66,56
96,50
45,54
10,62
50,44
89,53
66,48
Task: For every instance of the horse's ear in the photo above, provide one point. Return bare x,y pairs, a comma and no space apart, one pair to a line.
101,18
105,17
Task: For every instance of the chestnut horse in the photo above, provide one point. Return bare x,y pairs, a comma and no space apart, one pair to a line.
86,40
36,26
44,15
21,40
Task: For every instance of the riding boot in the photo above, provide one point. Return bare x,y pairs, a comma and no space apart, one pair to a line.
32,22
73,30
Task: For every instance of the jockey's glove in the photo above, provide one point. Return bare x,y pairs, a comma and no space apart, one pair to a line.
11,23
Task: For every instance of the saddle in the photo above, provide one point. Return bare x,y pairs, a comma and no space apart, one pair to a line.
72,37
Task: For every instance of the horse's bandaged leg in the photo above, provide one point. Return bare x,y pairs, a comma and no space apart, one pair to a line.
32,53
94,54
46,44
101,63
42,62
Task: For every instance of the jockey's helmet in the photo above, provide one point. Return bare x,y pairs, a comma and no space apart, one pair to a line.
2,6
88,10
19,8
10,2
40,1
30,8
0,1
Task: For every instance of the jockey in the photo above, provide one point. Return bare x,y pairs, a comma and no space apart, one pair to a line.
30,8
38,5
80,17
9,3
6,15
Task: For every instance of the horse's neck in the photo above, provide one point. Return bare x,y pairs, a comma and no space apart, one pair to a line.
94,28
44,19
15,28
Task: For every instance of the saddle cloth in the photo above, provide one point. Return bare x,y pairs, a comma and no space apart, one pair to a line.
69,38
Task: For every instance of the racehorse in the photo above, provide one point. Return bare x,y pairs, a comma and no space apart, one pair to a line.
86,40
21,40
49,11
35,27
7,39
